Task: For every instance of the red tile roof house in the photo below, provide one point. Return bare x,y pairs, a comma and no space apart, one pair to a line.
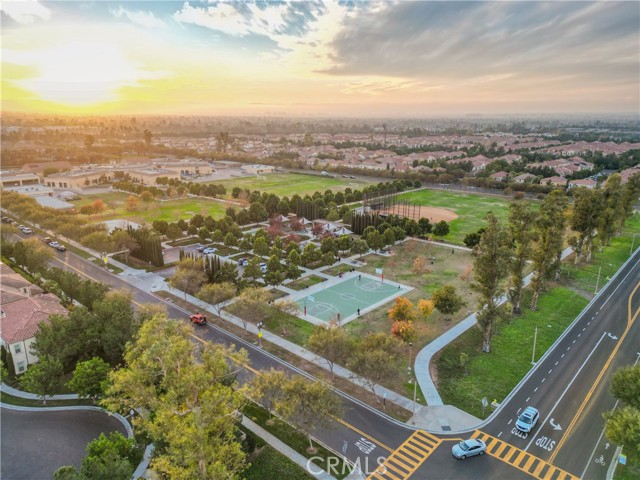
19,322
499,176
587,183
555,181
525,178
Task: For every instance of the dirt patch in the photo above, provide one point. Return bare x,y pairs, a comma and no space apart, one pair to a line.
434,214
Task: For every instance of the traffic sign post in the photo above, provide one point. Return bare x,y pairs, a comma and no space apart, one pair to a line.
485,402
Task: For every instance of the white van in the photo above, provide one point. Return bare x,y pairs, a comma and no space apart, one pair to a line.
325,174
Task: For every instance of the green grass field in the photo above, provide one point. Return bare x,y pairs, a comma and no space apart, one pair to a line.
471,209
495,374
289,184
170,210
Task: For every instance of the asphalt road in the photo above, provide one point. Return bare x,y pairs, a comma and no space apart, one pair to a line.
36,444
569,386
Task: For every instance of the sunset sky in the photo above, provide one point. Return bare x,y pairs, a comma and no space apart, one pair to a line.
320,58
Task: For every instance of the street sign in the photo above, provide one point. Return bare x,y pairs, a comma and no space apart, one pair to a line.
485,402
622,459
378,271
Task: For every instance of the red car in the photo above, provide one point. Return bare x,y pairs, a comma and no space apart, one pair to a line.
199,319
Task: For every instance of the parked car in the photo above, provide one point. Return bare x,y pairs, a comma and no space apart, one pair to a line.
201,248
7,220
324,174
243,262
60,248
263,267
47,240
468,448
209,250
26,230
352,176
528,419
198,318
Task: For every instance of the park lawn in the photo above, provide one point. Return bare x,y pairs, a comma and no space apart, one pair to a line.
288,184
269,463
584,276
305,282
169,210
470,208
494,375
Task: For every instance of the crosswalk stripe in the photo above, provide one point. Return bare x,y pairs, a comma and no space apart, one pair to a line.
407,458
522,460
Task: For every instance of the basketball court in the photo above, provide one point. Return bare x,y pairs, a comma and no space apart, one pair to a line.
342,299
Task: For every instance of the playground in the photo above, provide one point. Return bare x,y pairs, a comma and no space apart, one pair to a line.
347,299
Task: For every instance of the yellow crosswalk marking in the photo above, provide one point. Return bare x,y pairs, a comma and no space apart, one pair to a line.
407,458
522,460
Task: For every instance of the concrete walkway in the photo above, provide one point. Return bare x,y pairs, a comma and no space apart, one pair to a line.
32,396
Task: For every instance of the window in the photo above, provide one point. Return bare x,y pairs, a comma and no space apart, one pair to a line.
17,348
20,367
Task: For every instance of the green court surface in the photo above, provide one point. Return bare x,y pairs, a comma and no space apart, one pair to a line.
364,292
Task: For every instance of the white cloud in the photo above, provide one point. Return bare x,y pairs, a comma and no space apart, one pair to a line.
139,17
25,11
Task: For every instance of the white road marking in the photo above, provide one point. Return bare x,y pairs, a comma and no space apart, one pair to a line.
579,335
543,380
588,323
557,362
509,422
566,390
568,348
518,410
562,356
499,434
595,447
573,342
527,399
535,390
551,370
584,329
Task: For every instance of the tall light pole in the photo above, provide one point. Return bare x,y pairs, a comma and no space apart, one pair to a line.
633,241
415,391
598,279
410,357
533,353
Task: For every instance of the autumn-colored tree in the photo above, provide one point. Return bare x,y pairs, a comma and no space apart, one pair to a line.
426,307
419,265
404,329
132,203
98,207
402,310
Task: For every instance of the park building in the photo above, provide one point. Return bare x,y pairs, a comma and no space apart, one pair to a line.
11,178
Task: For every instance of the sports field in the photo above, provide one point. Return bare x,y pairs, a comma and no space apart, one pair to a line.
470,208
289,184
366,292
170,210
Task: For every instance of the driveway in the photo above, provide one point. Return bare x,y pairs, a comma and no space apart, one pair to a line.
35,444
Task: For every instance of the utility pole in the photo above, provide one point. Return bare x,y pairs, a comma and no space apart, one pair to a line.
415,391
598,279
633,241
533,353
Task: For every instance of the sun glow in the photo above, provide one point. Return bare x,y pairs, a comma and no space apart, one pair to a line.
80,73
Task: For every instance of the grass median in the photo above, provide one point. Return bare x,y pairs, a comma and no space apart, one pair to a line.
466,375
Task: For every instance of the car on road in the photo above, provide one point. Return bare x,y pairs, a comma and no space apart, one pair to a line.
47,240
352,176
201,248
468,448
26,230
198,318
528,419
7,220
60,247
209,250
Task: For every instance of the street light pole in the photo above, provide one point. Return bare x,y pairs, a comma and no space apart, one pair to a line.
598,279
415,391
633,241
533,353
410,356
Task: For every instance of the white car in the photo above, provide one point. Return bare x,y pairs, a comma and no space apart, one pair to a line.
263,267
26,230
468,448
209,250
527,420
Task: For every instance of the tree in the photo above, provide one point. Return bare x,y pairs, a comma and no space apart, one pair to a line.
472,239
549,233
261,246
447,300
419,265
173,231
441,229
389,237
123,241
148,136
376,360
132,203
230,240
403,310
374,240
115,322
309,405
43,378
250,304
189,276
331,343
98,206
113,457
252,270
622,427
267,389
89,141
310,254
425,307
625,385
613,213
32,254
521,236
89,377
585,217
404,330
491,266
188,397
359,247
217,293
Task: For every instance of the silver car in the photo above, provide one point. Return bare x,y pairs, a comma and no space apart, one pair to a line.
527,420
468,448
